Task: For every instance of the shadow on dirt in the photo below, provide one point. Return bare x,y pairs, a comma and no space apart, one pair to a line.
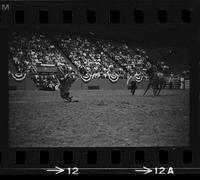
102,103
71,101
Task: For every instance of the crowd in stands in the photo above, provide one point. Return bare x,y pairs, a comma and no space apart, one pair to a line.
85,54
27,49
89,54
92,54
45,82
100,55
123,55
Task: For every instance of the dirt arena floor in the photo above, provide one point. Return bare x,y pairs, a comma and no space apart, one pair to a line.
98,118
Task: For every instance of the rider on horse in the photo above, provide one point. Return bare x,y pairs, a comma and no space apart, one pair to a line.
156,80
153,79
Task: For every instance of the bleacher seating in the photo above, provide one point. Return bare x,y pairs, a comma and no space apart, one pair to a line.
29,48
99,55
88,54
85,54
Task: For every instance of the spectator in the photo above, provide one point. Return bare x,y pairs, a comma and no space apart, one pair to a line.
94,56
171,77
182,80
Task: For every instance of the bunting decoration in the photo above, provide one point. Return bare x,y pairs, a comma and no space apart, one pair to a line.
86,78
18,76
113,78
138,77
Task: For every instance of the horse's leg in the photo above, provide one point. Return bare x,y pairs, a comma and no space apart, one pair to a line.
154,91
147,89
154,88
158,88
162,86
158,92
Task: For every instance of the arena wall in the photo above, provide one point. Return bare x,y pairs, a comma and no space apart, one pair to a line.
26,84
104,84
95,84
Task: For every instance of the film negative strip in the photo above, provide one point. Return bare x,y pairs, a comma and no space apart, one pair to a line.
100,87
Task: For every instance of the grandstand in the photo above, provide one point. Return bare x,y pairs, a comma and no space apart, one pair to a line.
81,54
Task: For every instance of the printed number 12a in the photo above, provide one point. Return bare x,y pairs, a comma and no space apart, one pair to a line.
162,170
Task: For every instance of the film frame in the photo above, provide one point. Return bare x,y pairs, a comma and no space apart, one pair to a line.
148,32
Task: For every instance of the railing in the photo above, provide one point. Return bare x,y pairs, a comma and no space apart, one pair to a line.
63,51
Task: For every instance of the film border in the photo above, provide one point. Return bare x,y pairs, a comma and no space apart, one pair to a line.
185,34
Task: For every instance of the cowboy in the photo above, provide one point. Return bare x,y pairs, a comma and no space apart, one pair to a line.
65,84
171,81
182,80
133,84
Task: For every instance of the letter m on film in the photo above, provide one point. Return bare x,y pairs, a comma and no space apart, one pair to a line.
5,7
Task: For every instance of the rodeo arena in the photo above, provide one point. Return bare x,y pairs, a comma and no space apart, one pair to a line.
74,90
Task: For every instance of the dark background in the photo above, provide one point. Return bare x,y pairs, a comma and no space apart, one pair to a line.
150,34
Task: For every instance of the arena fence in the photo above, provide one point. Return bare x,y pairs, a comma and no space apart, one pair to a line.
187,84
176,84
26,84
94,84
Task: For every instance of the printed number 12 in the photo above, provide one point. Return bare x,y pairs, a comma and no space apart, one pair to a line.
73,171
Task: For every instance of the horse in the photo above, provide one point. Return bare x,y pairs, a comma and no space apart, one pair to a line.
156,80
162,82
153,82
